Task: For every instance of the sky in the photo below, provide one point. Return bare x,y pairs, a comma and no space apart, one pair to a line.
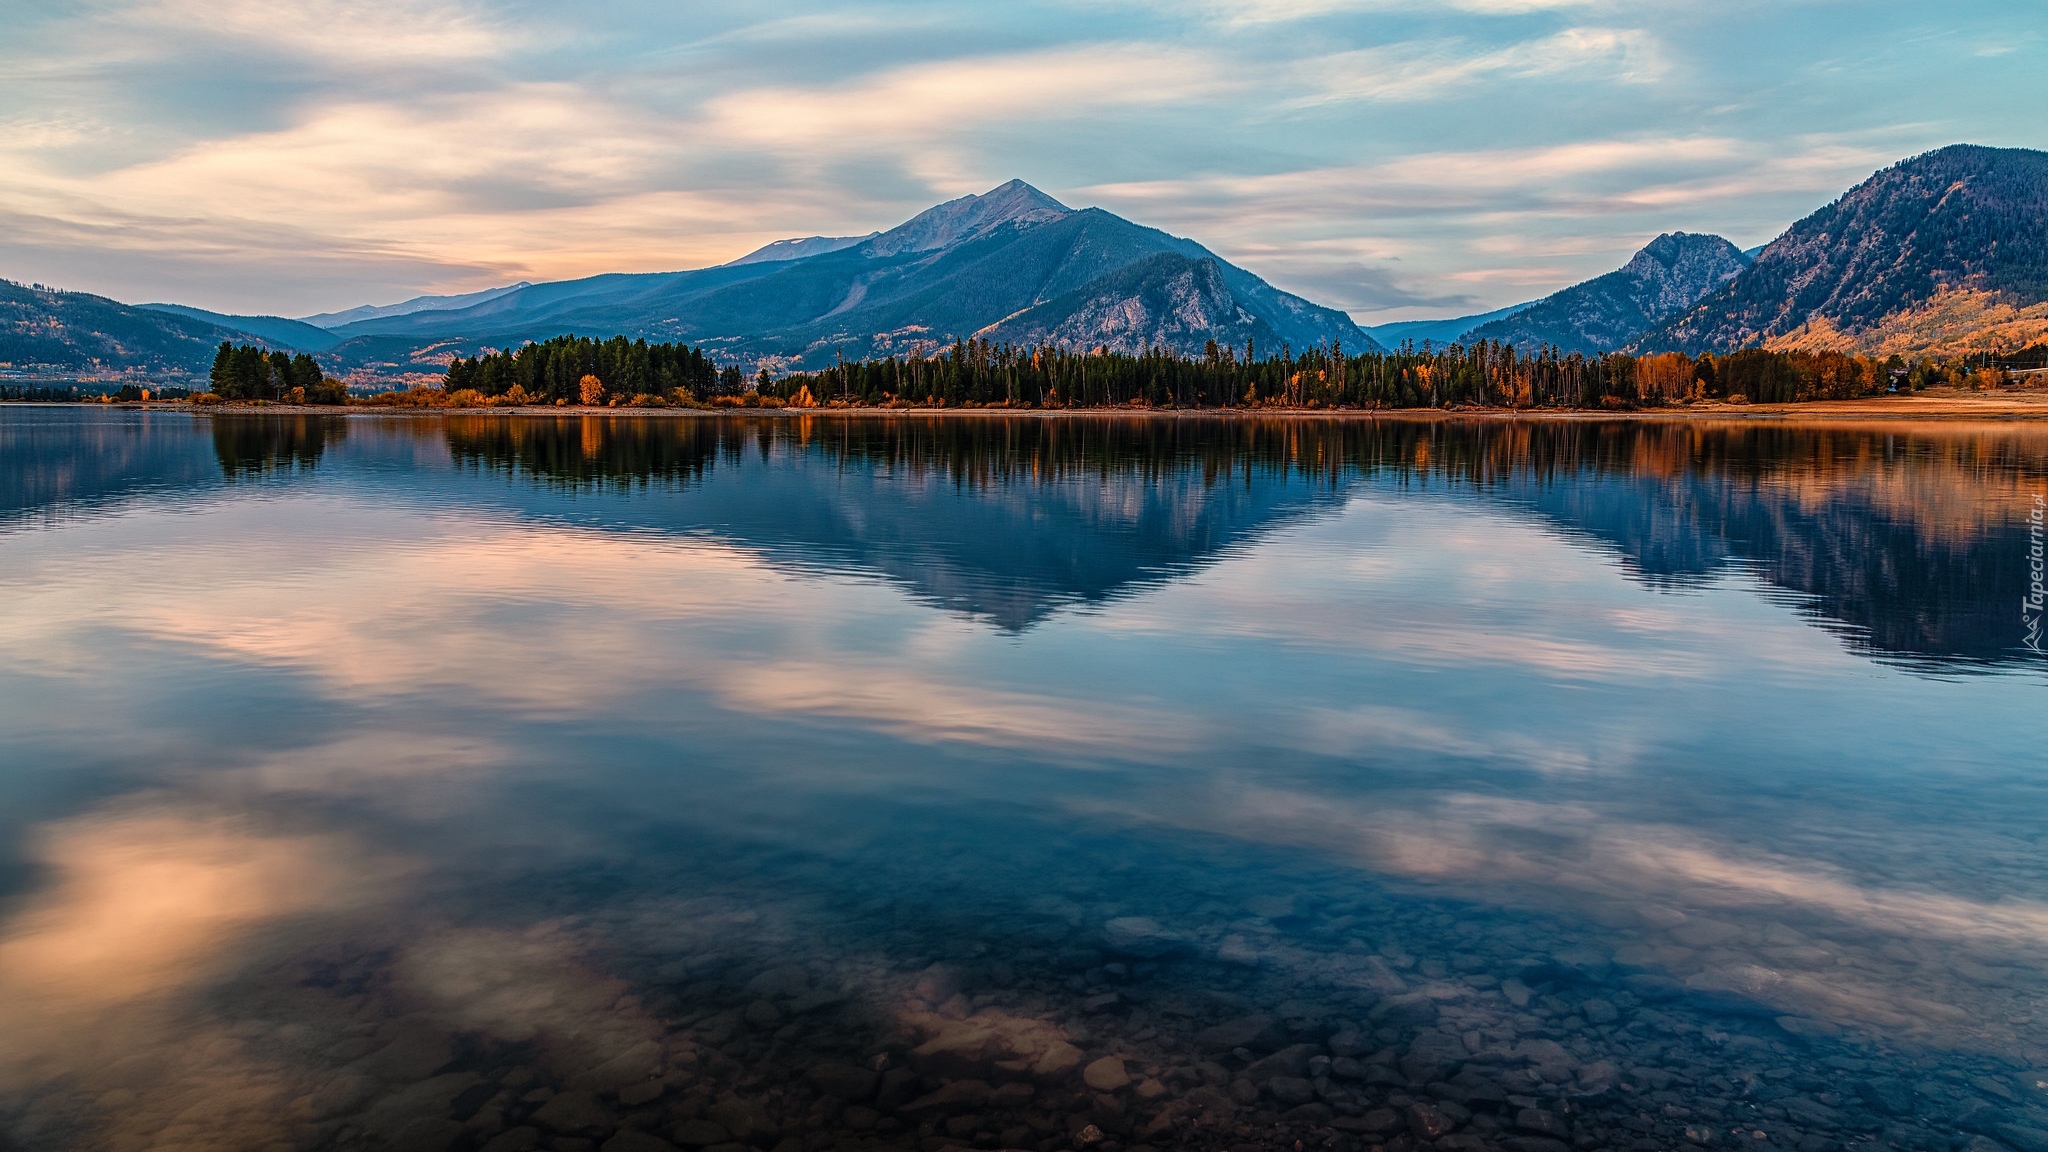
1395,159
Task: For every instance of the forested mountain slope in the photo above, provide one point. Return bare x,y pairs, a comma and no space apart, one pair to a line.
1938,253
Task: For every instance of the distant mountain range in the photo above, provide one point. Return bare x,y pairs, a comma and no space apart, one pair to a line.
1943,253
1946,252
277,330
416,304
1437,332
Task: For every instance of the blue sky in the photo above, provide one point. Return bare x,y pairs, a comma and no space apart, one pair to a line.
1396,159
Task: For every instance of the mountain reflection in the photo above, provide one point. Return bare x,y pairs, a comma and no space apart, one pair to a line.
1908,540
1006,520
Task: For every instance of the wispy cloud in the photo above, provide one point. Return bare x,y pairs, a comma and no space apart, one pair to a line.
1501,224
1240,13
905,107
1419,71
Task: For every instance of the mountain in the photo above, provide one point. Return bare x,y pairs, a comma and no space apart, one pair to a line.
1946,252
276,329
1168,300
408,307
1437,332
1006,264
1669,275
46,329
799,248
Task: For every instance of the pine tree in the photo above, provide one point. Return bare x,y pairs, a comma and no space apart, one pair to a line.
223,375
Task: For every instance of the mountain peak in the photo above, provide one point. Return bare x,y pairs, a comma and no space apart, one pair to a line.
969,217
1876,263
1670,248
1667,276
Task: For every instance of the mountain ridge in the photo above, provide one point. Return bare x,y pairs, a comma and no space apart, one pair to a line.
285,332
51,329
1663,278
949,272
1439,332
407,307
1965,218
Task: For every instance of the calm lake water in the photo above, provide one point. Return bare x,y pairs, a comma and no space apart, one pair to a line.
519,782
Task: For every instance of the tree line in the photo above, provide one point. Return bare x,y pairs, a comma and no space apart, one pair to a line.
978,373
250,373
580,370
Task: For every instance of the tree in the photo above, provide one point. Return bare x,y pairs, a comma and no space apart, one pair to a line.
590,390
223,375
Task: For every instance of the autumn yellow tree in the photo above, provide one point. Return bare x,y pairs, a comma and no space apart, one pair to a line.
1667,376
591,389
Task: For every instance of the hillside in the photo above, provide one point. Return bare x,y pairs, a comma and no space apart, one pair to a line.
284,333
1669,275
1925,256
1012,261
75,332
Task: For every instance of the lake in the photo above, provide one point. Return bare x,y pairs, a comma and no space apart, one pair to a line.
521,782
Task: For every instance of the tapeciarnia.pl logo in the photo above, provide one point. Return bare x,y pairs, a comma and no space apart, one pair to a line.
2030,608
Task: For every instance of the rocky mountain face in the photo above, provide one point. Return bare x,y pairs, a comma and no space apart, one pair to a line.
1168,300
1964,221
1670,274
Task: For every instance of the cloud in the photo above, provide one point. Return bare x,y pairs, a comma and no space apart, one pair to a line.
1417,71
1720,914
1483,228
905,107
1243,13
349,35
899,699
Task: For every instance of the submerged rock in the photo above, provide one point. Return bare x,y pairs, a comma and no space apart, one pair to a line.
1142,937
1105,1075
576,1114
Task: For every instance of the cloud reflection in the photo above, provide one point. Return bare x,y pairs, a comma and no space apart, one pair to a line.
150,903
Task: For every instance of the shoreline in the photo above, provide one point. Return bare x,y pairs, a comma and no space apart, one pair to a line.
1939,405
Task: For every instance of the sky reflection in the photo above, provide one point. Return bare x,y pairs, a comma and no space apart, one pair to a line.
508,735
